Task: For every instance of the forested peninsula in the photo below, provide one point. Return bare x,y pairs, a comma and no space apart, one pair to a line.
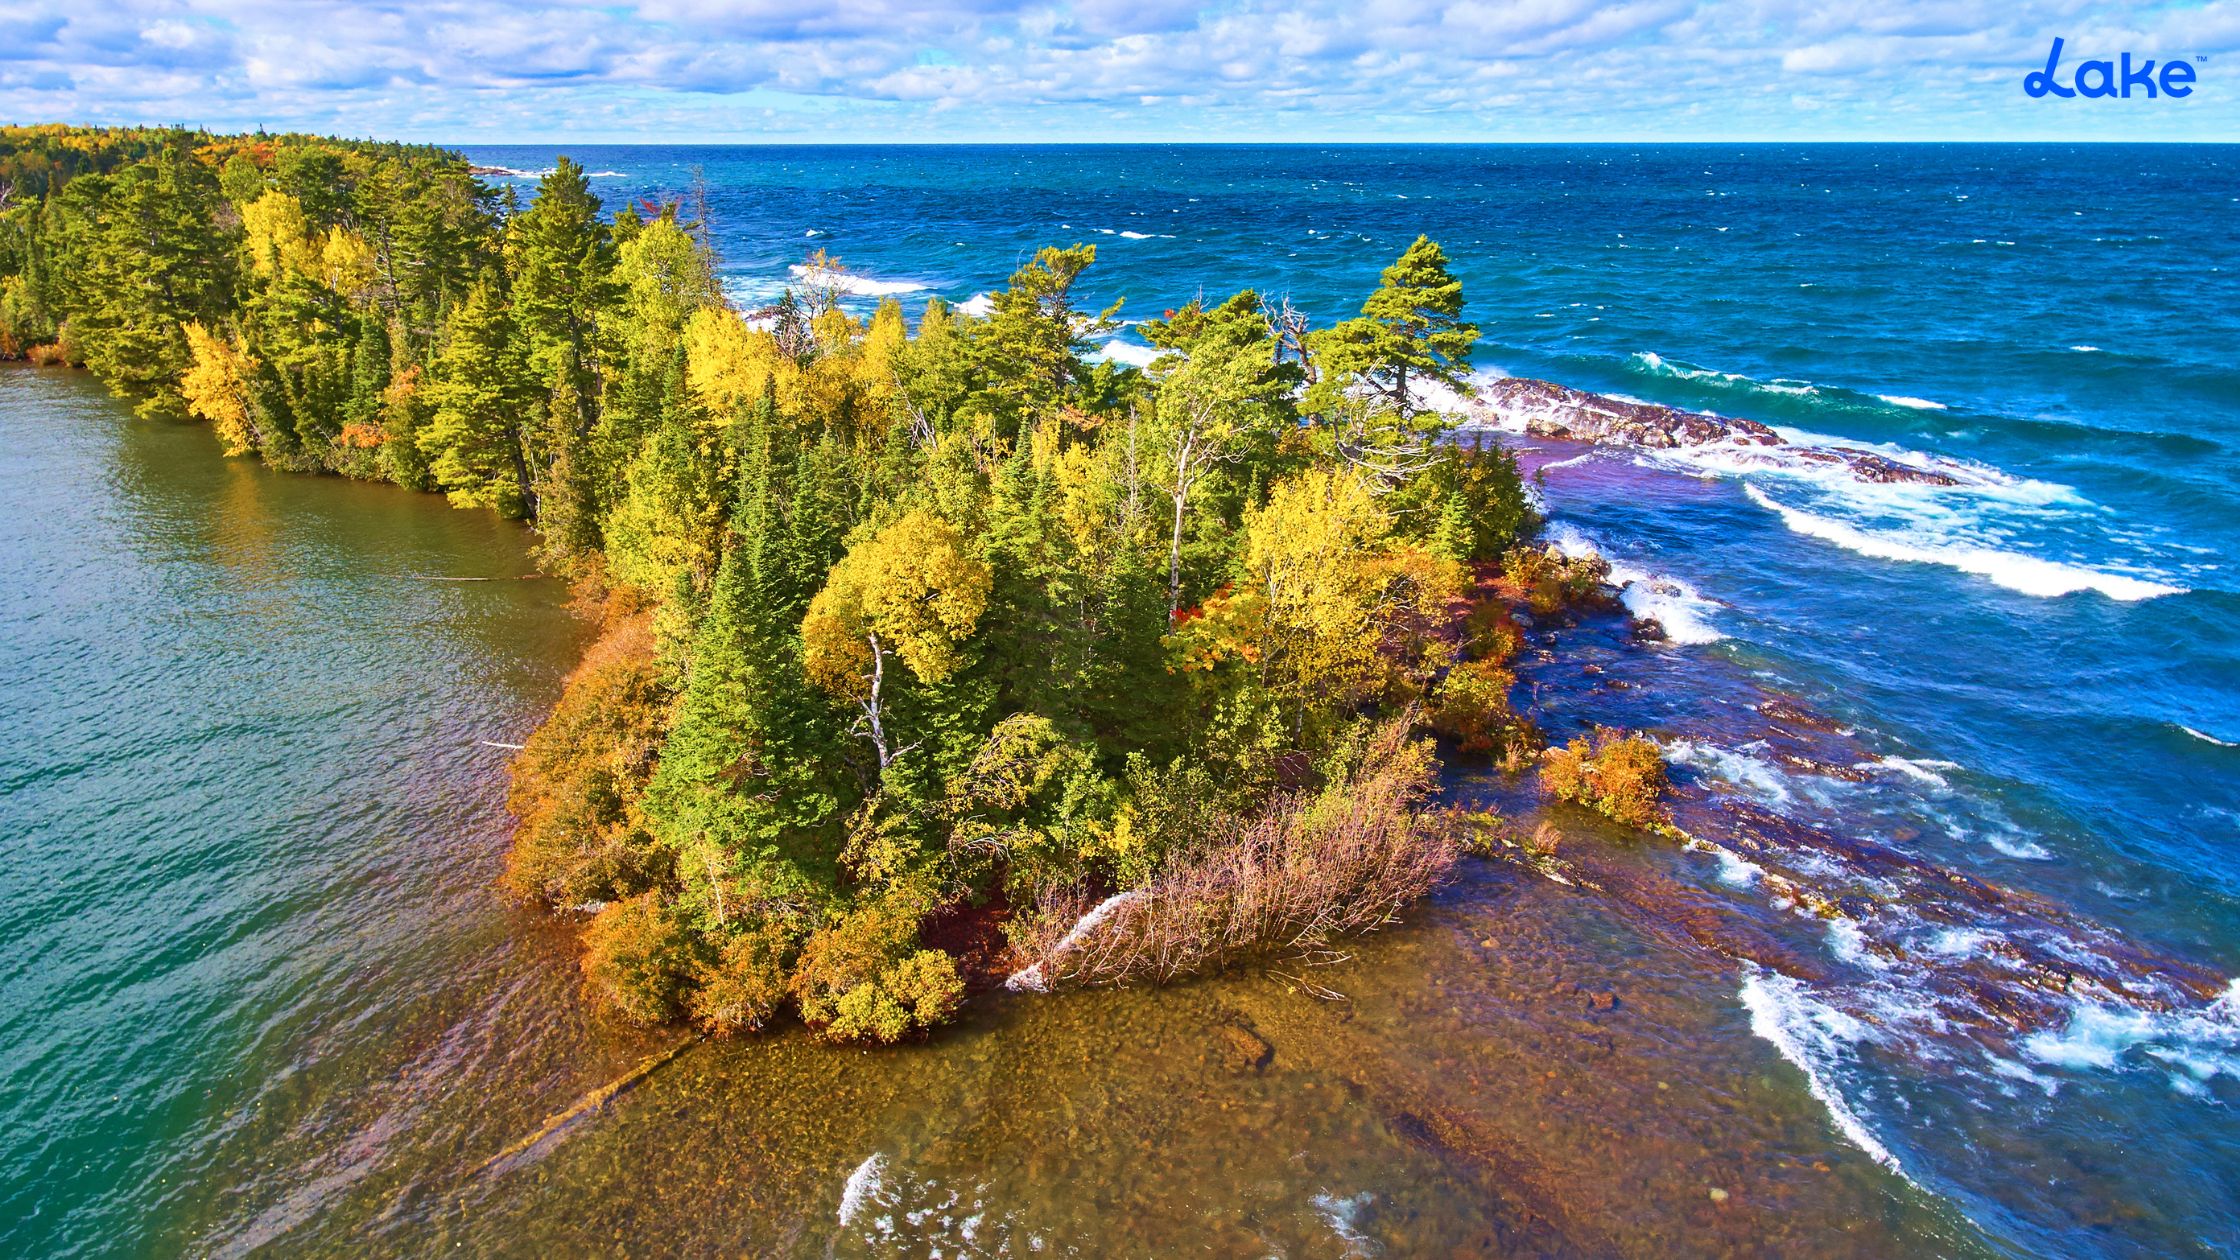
933,654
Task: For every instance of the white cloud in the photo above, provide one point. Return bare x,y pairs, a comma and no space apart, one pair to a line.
1101,69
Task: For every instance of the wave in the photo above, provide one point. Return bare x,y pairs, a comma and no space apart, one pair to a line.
2031,575
1759,780
2207,737
1920,771
508,172
1683,611
2196,1044
1127,353
1816,1038
1343,1217
850,282
2018,848
862,1188
978,306
1656,364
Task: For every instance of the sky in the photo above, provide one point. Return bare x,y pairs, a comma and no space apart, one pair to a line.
497,71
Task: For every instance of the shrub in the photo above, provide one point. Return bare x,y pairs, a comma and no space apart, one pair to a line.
1471,707
576,782
746,983
1309,868
1549,581
918,992
1621,776
863,977
1490,633
639,960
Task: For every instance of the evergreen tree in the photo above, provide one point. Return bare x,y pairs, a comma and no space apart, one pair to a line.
481,397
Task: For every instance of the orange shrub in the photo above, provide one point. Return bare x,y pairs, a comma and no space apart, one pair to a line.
1621,776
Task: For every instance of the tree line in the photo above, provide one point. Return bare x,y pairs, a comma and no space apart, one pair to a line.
919,635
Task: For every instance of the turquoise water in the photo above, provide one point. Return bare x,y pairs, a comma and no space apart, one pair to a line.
246,829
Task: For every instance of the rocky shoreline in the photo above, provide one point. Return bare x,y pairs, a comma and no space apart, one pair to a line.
1544,409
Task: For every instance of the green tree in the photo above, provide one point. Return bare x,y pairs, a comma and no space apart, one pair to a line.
1375,368
481,398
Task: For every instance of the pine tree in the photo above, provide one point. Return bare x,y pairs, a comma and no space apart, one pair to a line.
474,438
1410,334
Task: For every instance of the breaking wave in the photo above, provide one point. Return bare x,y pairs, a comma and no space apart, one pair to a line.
1816,1038
1683,611
850,282
2031,575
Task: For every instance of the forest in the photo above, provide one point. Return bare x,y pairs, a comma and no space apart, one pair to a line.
931,651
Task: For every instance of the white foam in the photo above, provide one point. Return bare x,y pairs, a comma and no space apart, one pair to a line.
1754,777
2086,349
862,1187
2207,737
1343,1216
1683,611
978,306
1127,352
2201,1043
1908,400
1924,771
2017,847
1662,366
851,283
1848,942
1815,1037
2031,575
1957,942
1735,871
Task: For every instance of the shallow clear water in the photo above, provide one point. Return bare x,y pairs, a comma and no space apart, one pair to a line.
266,998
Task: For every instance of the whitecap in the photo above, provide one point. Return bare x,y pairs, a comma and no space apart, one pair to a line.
2205,736
1924,771
979,305
1848,942
2031,575
1127,353
1814,1037
1034,979
2019,848
1957,942
850,282
1343,1216
1754,778
1908,400
2086,349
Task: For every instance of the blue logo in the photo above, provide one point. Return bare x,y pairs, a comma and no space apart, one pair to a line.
2103,78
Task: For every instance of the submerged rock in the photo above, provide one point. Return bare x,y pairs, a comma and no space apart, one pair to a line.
1243,1049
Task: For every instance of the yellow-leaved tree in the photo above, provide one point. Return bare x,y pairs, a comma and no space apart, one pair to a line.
348,266
277,238
1330,600
216,387
912,590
